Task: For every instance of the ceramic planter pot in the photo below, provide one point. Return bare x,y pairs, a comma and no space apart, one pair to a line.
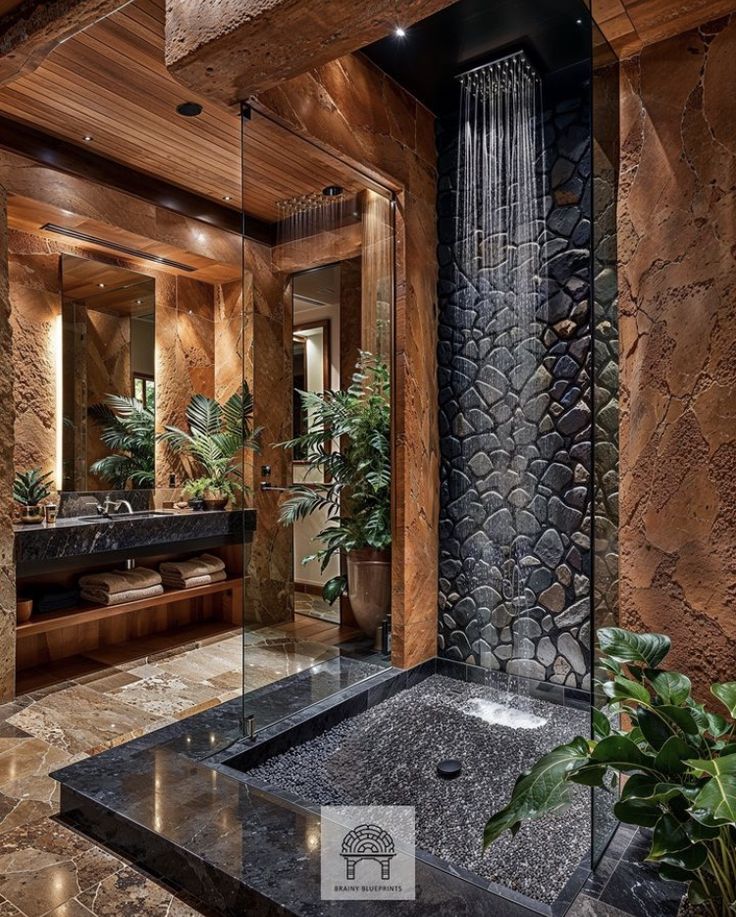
369,587
196,505
31,515
215,501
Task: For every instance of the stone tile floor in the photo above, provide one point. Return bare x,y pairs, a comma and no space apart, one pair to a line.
48,869
314,606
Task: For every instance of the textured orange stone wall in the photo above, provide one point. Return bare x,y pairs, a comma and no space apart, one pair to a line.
268,343
355,110
7,423
677,277
35,298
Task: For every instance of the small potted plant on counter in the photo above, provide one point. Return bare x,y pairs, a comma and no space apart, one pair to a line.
30,488
193,492
347,448
217,435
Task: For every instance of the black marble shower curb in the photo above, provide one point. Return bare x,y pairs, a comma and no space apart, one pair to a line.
174,806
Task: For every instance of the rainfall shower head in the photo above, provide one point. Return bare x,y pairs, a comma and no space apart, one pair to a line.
502,73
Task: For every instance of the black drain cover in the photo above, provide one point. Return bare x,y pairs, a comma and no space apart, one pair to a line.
449,769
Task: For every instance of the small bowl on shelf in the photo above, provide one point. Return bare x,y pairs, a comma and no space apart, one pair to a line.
24,609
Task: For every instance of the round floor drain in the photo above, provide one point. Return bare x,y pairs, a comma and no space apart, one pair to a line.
449,769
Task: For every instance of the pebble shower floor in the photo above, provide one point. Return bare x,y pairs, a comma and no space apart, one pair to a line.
389,754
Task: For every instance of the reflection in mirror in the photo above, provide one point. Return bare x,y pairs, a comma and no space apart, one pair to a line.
108,373
311,370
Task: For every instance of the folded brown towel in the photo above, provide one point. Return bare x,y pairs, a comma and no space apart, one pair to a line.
100,597
176,582
117,581
204,565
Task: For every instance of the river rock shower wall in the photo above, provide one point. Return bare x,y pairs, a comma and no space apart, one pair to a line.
545,632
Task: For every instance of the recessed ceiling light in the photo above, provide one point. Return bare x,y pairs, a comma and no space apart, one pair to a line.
579,21
399,32
226,197
88,137
100,284
139,302
189,109
332,191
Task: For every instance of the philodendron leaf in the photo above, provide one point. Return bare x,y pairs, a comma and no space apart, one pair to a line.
624,646
620,753
601,724
672,687
669,837
625,688
715,803
726,694
717,725
655,729
542,790
639,812
671,756
692,858
680,717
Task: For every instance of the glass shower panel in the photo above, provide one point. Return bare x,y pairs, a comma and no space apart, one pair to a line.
605,105
318,276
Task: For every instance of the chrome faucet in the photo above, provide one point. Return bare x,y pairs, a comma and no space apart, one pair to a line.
109,506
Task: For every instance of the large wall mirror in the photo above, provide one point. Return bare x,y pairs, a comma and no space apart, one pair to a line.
109,376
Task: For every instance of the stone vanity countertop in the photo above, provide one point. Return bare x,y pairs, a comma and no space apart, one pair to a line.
76,537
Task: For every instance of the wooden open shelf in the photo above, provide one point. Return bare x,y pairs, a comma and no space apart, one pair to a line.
86,614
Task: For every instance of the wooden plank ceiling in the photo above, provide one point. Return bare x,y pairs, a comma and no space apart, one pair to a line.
107,288
27,215
109,83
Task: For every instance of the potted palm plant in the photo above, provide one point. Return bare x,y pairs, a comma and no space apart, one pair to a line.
217,433
347,445
30,488
126,427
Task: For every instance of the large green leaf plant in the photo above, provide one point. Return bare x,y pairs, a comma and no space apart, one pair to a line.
127,428
678,758
347,446
217,434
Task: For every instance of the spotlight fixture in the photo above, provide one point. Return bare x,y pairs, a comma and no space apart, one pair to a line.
139,302
399,32
100,285
579,21
332,191
87,138
189,109
226,197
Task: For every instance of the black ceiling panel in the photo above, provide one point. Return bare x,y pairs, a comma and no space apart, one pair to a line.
555,34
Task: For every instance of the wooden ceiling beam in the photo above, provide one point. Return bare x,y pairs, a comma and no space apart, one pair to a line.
30,30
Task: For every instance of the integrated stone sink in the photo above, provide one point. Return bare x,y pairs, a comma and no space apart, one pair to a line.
42,548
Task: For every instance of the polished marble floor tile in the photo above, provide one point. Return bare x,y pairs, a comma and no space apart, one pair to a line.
82,721
162,694
46,870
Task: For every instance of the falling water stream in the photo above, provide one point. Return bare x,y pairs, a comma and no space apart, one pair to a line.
501,214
